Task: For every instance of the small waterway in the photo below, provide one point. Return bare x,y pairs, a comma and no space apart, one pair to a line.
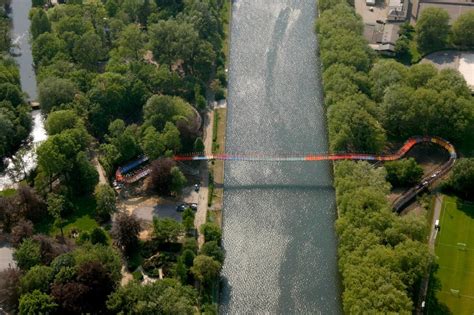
22,54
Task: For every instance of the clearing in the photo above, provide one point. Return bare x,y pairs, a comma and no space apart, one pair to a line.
455,255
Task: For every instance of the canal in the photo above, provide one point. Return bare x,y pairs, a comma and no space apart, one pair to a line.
278,224
19,10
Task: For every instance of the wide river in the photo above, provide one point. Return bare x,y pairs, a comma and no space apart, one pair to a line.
279,218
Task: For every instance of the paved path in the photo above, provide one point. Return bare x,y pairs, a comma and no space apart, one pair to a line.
201,213
431,245
436,214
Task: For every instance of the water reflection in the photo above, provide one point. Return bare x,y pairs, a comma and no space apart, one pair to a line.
278,217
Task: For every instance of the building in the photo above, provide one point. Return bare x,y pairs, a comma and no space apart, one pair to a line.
454,7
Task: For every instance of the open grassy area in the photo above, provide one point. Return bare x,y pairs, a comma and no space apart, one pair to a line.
455,251
82,219
7,192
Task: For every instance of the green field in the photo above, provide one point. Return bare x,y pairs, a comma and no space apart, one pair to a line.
455,255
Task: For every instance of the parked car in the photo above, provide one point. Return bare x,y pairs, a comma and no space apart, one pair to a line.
196,187
182,207
193,206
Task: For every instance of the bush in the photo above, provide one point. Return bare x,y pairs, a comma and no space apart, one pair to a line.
403,173
211,231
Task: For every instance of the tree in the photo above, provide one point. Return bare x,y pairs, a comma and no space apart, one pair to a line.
39,23
45,47
54,92
160,177
160,109
152,144
125,231
37,302
61,120
23,229
56,205
166,230
188,219
205,269
9,288
432,29
37,278
27,254
420,74
170,137
346,49
178,181
84,176
352,128
384,74
449,79
211,231
405,172
131,42
98,236
199,145
462,177
213,250
463,30
168,296
105,200
88,50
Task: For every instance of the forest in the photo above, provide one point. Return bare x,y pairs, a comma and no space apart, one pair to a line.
117,79
372,103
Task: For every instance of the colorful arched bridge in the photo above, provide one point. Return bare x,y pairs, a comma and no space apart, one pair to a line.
320,157
138,169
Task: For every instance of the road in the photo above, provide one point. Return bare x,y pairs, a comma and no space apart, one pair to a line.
201,213
431,246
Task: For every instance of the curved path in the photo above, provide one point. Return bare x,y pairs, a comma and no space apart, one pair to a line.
398,205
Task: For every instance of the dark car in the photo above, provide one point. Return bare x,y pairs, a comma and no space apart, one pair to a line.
196,187
182,207
193,206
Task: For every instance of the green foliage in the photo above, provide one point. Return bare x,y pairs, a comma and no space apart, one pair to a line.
166,230
384,74
105,200
463,30
352,128
462,177
178,181
405,172
36,303
205,269
27,254
55,92
380,258
211,231
37,278
199,145
98,236
188,219
213,250
432,29
39,23
168,296
160,109
61,120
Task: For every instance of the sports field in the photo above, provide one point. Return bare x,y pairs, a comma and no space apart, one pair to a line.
455,251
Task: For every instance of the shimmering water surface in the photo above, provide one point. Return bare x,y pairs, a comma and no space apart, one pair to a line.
22,54
279,233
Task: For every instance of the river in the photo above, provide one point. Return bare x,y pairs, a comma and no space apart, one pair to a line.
22,49
278,220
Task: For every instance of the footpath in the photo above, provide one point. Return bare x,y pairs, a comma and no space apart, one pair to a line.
201,213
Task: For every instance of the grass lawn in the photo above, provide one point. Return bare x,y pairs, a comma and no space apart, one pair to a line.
456,261
82,219
7,192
